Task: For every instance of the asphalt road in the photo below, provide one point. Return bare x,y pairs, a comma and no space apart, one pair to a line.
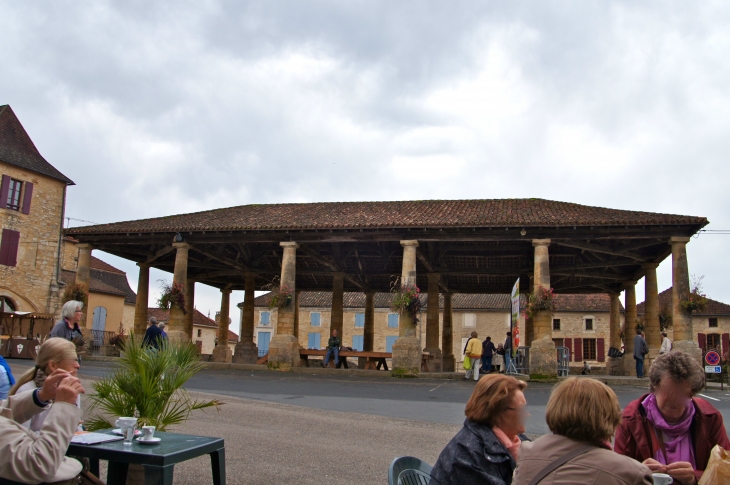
434,401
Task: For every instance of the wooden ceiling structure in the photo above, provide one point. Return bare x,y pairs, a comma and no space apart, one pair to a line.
478,246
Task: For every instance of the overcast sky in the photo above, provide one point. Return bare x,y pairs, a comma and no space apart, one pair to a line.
158,108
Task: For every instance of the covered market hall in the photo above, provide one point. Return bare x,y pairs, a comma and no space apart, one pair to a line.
442,246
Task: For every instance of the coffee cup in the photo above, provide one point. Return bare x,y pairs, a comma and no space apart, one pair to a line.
125,422
148,432
661,479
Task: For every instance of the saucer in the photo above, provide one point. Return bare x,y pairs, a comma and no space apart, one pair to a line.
151,441
119,432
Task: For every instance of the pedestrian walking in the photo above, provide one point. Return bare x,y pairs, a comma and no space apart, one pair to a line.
473,350
488,350
640,350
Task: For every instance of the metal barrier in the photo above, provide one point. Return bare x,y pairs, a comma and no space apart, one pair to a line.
522,360
99,338
563,361
263,352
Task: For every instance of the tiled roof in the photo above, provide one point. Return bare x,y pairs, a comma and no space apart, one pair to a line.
95,285
199,320
714,307
401,214
97,263
459,301
105,278
16,147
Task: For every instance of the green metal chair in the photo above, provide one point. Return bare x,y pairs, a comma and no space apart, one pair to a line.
407,470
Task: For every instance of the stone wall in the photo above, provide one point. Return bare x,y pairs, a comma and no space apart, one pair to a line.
32,284
128,318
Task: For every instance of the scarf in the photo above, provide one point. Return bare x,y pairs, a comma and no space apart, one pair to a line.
676,436
5,366
512,445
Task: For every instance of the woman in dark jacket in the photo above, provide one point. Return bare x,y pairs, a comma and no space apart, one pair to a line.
485,451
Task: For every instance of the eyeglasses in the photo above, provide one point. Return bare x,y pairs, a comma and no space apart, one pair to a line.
79,311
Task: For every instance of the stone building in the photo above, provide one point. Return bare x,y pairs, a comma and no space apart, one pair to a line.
32,202
711,325
580,322
205,330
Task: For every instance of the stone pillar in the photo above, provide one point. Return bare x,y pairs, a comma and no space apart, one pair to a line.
284,347
630,328
222,352
338,294
142,303
176,324
189,307
651,314
681,319
83,270
407,349
614,365
296,313
543,357
246,350
447,337
432,324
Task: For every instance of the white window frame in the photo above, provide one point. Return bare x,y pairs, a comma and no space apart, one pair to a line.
466,320
595,322
261,324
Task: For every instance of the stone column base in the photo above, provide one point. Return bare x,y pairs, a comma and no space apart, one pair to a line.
690,348
543,359
222,353
630,365
406,357
449,363
283,352
436,362
177,336
246,353
615,366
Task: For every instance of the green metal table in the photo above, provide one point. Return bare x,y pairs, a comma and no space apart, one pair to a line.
158,460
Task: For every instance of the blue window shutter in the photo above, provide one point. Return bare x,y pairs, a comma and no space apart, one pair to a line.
358,342
27,197
265,318
4,189
393,320
317,341
310,340
359,320
314,319
389,341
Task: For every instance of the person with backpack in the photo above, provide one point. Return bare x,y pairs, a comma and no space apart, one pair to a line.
488,350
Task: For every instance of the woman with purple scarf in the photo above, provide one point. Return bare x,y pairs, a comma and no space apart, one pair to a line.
670,430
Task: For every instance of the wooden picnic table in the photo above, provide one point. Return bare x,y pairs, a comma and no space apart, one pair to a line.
373,360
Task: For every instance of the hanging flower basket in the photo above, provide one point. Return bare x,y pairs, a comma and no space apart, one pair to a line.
406,300
696,301
281,297
172,295
75,292
541,300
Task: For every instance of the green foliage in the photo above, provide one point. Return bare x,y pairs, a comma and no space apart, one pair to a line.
171,294
540,300
149,386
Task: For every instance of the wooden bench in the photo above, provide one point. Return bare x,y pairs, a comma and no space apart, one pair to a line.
373,360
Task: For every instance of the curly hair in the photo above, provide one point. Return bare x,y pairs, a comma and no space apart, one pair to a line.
679,367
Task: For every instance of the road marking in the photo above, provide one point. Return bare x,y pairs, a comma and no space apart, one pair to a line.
708,397
435,388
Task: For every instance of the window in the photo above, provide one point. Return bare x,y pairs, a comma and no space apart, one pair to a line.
315,319
14,189
313,341
389,341
359,320
200,333
358,342
589,349
713,341
713,322
265,318
559,342
9,247
470,319
6,304
589,323
556,324
392,321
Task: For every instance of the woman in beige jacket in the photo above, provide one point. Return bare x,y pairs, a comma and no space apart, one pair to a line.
28,457
583,415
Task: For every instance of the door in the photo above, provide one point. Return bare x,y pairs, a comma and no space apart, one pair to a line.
358,342
263,343
99,325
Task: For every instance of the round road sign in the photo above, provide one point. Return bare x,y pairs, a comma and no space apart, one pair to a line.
712,358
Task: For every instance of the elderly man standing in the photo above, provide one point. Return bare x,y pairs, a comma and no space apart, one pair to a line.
28,457
640,350
153,335
474,351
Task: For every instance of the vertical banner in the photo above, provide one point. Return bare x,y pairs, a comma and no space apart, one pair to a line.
515,322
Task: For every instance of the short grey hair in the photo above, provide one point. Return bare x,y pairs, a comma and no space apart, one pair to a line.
161,325
69,308
679,367
153,320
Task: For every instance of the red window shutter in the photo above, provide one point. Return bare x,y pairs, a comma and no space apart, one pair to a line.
702,341
601,350
569,344
27,197
725,344
4,189
9,247
579,350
